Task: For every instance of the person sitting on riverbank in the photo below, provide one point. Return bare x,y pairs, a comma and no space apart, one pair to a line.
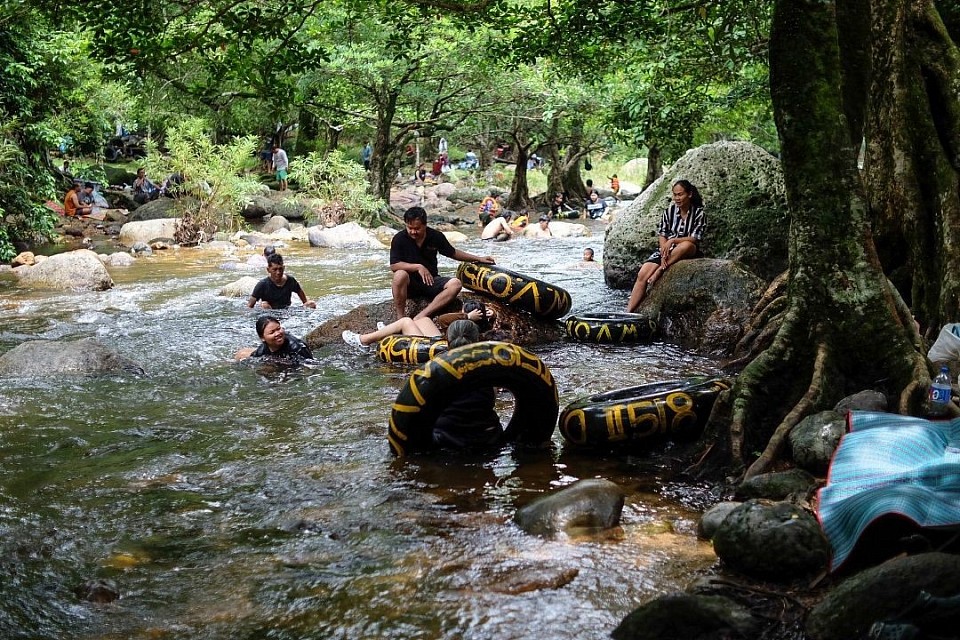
425,327
679,234
72,205
143,188
275,343
413,261
276,290
498,229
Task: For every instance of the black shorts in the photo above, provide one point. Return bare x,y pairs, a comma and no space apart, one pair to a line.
418,289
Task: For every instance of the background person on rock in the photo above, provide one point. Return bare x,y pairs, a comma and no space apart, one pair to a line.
413,260
276,290
424,327
72,206
280,165
679,234
143,188
275,343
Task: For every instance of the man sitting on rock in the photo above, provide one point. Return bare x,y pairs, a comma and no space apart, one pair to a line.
413,260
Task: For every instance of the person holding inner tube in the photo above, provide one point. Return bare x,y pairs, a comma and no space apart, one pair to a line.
469,421
679,234
424,327
413,260
275,343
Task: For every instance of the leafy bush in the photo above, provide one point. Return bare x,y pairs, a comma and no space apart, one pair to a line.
23,186
214,174
334,177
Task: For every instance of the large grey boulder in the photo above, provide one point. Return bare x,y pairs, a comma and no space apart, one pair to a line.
343,236
593,504
703,304
145,231
241,288
41,358
277,204
881,593
79,270
275,223
777,542
155,210
743,190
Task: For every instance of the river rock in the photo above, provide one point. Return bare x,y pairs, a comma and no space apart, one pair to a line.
98,591
815,438
45,357
118,259
743,190
241,288
559,229
455,237
591,504
148,230
862,401
384,234
710,520
24,258
120,199
276,223
348,235
141,249
445,190
277,204
79,270
514,326
777,485
155,210
703,304
118,175
525,579
881,593
687,617
777,541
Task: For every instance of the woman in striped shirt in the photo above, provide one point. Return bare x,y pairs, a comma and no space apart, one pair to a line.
679,234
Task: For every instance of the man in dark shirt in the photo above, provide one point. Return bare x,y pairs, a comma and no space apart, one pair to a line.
413,260
275,291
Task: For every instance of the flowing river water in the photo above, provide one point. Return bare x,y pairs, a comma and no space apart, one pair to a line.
231,501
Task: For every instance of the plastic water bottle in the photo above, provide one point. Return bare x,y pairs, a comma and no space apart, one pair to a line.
940,393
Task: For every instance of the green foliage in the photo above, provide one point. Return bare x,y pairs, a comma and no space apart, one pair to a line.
214,174
336,177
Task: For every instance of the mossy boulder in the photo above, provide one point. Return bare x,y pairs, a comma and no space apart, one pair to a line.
743,191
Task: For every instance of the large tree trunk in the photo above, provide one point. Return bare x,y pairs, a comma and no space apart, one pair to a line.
844,328
381,162
913,156
519,191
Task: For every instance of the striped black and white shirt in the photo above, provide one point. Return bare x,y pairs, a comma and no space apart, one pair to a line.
672,225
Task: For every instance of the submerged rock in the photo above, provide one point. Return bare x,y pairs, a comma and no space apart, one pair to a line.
46,357
147,231
777,485
241,288
587,504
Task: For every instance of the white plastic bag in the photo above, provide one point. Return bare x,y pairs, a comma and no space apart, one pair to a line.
947,346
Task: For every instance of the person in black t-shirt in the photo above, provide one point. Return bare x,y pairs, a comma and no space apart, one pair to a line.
276,290
413,260
275,343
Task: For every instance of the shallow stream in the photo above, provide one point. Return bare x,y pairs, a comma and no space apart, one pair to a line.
230,501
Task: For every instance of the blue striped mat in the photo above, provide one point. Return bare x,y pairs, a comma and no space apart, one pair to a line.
890,464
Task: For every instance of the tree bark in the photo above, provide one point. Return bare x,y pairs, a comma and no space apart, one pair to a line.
654,165
913,156
519,191
841,314
381,162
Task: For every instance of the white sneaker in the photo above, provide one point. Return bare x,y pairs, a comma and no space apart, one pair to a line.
380,325
353,339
